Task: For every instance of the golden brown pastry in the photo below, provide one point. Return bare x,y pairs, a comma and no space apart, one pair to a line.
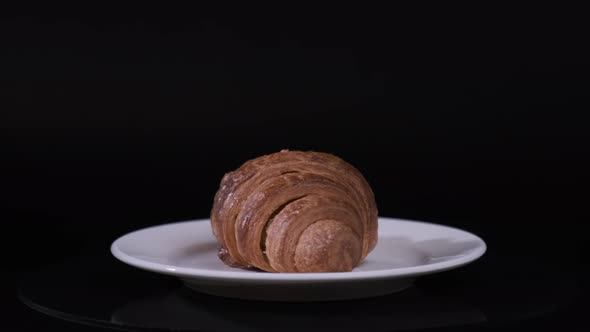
294,211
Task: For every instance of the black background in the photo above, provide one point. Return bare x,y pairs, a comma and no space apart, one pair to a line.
117,118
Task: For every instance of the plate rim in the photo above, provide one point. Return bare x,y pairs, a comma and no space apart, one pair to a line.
198,273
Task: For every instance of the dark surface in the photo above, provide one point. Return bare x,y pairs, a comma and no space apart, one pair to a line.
113,119
78,290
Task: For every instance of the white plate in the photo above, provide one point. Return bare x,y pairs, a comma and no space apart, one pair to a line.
406,249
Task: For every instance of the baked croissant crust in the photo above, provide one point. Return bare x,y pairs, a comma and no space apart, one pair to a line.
295,211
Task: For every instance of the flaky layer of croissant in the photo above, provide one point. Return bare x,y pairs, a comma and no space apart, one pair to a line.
294,211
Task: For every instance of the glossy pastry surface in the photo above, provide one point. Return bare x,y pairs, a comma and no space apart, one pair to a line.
295,211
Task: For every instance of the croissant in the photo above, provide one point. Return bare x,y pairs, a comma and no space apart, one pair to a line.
295,211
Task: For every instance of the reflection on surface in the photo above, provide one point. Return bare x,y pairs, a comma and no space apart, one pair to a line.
183,309
98,290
